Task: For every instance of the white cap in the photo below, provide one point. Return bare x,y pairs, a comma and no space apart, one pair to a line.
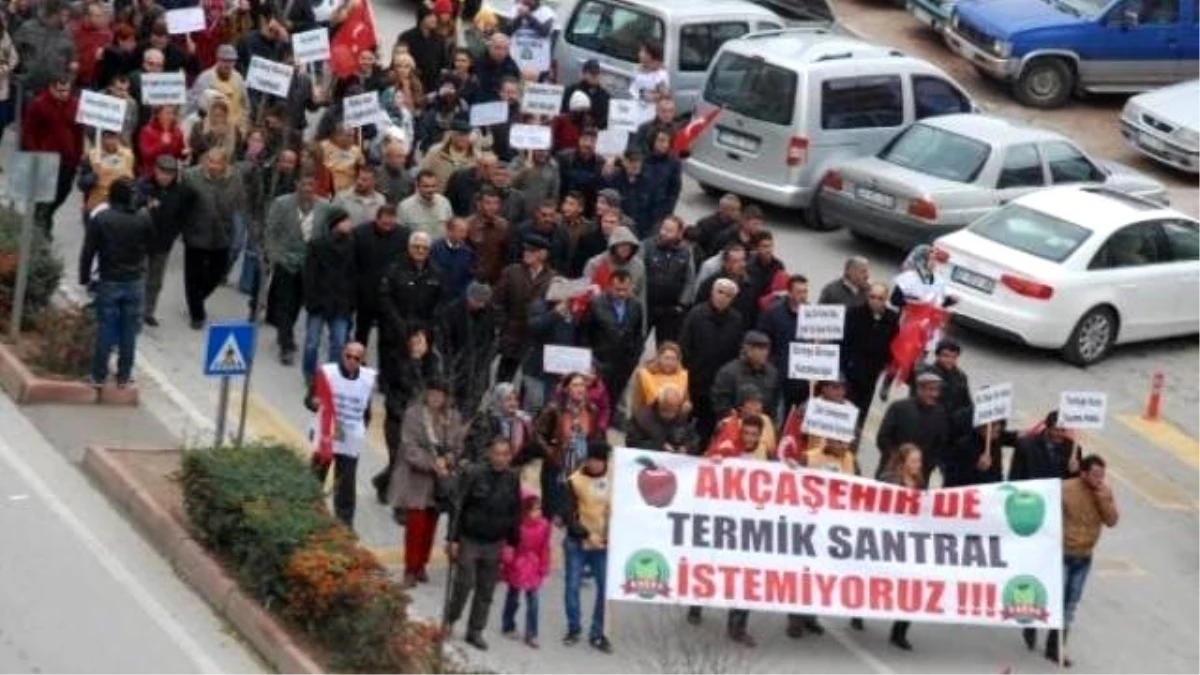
579,101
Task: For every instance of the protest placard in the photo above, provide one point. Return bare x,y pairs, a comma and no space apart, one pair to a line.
628,114
360,110
164,88
562,289
101,111
992,403
487,114
562,360
760,536
185,20
820,323
1082,409
269,77
611,142
830,420
542,99
813,361
530,50
311,46
529,137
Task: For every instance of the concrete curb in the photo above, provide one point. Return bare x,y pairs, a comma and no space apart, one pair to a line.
26,388
195,566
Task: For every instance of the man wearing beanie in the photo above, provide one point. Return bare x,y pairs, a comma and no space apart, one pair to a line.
589,507
120,237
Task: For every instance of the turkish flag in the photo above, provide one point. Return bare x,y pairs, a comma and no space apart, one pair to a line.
326,420
354,35
600,278
918,322
791,441
727,442
682,143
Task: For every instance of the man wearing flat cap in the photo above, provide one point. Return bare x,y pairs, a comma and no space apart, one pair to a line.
169,203
520,285
752,367
918,419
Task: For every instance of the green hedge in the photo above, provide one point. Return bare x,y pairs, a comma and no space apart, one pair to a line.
45,272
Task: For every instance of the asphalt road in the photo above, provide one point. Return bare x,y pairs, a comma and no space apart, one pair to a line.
1139,612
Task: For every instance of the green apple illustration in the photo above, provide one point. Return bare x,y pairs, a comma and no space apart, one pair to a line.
1024,509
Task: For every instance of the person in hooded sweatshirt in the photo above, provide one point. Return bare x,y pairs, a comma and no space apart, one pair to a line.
622,254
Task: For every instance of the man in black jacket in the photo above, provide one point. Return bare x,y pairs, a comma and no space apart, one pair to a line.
664,425
778,322
711,337
597,94
710,230
670,273
866,344
409,293
377,244
120,237
462,187
956,391
1049,453
919,419
492,68
487,516
328,290
466,334
613,328
169,204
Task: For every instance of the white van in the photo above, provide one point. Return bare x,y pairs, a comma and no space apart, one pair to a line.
690,32
795,101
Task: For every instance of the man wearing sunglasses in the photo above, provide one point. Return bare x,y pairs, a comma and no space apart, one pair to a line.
341,397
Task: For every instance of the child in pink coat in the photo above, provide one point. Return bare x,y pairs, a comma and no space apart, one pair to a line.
525,567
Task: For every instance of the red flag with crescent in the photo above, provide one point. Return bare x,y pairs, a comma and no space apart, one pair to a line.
918,322
791,441
326,418
682,142
356,34
727,441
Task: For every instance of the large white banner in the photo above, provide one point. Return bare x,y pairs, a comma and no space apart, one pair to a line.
757,535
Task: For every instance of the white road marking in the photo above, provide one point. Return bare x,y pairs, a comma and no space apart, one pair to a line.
107,559
17,498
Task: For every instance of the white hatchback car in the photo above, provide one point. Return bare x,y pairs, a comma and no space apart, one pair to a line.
1077,269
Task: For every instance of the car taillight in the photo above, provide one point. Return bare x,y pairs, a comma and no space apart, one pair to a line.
832,181
923,207
797,150
1027,287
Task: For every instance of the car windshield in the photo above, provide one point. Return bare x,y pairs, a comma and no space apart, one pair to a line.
1084,8
1031,232
937,152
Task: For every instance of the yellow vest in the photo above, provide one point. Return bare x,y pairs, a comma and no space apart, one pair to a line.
817,459
232,92
108,168
593,499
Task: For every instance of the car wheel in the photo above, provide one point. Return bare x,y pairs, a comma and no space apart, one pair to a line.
812,217
1045,83
711,191
1092,337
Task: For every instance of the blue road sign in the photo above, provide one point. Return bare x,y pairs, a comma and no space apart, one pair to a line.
229,348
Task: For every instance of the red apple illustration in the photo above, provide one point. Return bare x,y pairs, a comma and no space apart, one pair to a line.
657,484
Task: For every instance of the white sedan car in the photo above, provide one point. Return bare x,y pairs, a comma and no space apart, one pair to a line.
1077,269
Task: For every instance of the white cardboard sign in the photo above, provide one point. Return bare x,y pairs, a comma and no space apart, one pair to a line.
813,361
830,420
562,360
1082,409
269,77
820,323
628,114
311,45
993,404
487,114
360,110
611,142
542,99
185,20
529,137
101,111
164,89
530,50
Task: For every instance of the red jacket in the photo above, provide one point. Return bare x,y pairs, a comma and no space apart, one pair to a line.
49,126
88,43
151,146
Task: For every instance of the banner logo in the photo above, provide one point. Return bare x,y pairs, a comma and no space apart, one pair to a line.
1025,600
647,575
1024,510
655,483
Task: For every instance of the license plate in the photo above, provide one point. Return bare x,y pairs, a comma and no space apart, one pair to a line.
875,197
1151,143
737,141
972,279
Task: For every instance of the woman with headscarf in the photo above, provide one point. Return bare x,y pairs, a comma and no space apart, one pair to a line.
502,417
919,293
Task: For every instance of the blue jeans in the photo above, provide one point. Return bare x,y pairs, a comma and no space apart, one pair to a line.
118,319
339,329
576,557
512,602
1075,573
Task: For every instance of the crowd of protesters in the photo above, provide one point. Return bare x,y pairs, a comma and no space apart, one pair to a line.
460,259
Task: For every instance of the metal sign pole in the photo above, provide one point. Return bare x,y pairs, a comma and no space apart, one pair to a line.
222,409
27,225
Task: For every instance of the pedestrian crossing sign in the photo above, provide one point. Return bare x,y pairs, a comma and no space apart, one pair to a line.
229,348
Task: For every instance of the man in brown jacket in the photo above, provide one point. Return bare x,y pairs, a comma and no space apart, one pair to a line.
520,285
1088,506
489,236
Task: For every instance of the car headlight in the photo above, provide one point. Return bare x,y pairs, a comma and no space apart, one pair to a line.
1001,48
1187,137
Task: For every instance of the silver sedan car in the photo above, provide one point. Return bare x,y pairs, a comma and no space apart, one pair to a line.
1165,125
944,172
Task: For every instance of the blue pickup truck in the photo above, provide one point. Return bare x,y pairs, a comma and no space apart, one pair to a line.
1049,49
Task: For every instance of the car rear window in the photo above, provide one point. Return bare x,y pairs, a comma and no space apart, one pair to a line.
613,30
698,42
752,87
1032,232
862,102
937,152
